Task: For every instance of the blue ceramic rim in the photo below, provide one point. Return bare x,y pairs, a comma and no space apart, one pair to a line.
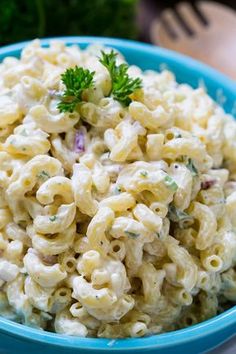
170,339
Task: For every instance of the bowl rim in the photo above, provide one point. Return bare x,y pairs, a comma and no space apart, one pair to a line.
169,339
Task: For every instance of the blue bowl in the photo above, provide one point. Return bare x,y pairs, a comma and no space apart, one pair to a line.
195,339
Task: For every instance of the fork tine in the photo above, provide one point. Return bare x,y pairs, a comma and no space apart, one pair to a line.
169,19
190,16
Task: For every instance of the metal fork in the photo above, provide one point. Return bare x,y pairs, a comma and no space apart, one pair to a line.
205,31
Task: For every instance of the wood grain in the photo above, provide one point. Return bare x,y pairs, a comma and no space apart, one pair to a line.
214,44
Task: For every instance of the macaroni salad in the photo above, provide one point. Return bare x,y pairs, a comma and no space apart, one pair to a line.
115,220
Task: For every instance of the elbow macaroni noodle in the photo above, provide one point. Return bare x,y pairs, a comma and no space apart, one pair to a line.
134,232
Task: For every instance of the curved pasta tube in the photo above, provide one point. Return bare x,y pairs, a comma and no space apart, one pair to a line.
229,146
55,244
99,224
134,254
53,123
100,176
230,207
20,303
135,235
33,207
121,141
186,271
102,303
184,179
8,270
31,173
78,311
130,228
13,72
106,114
63,153
66,324
88,295
38,297
154,146
44,275
222,253
15,232
35,170
61,299
55,186
207,222
192,148
10,168
119,202
5,217
142,176
229,284
59,222
149,119
178,296
149,219
118,309
215,135
9,111
33,87
152,280
63,217
102,271
28,142
82,187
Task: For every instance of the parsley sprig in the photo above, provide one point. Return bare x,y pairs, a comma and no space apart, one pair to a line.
122,85
76,80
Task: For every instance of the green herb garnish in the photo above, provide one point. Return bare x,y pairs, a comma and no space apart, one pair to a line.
53,218
144,173
178,216
190,165
131,234
170,183
76,80
23,133
117,190
122,85
12,141
43,174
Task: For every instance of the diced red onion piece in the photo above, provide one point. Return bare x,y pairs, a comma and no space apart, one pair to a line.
79,142
208,184
49,259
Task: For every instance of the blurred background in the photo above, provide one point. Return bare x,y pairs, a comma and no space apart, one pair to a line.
27,19
208,35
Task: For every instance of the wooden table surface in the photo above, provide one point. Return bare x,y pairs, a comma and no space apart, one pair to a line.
150,9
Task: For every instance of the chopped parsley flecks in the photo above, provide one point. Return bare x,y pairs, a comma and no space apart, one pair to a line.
178,216
170,183
43,174
131,234
144,173
23,133
117,190
53,218
190,165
